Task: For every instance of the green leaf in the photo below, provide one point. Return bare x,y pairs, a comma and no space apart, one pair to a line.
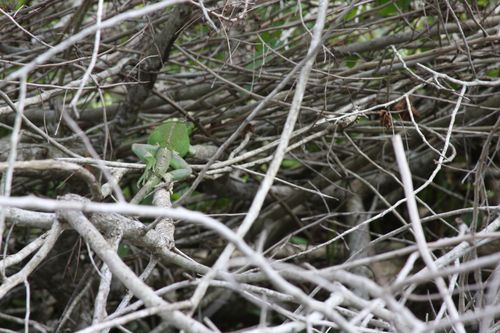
299,240
174,135
351,14
350,61
12,5
493,72
4,132
467,218
483,3
392,7
123,250
290,164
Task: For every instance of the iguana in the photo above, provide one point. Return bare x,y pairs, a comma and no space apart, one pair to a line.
163,155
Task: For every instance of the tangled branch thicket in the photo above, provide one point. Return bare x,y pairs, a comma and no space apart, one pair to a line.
304,211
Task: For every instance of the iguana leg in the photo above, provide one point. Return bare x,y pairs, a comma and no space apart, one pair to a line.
147,154
163,158
180,168
180,174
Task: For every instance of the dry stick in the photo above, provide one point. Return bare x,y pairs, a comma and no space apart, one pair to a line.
469,316
112,182
35,128
82,225
93,60
72,306
24,252
88,145
105,283
403,318
6,180
126,299
376,306
226,165
42,58
150,311
241,287
23,72
457,252
240,128
418,190
73,208
418,231
387,40
43,96
28,306
471,83
23,29
451,287
358,240
62,169
462,34
23,274
207,16
310,55
180,213
491,298
479,173
36,326
267,182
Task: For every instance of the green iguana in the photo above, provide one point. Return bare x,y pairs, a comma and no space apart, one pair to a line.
163,154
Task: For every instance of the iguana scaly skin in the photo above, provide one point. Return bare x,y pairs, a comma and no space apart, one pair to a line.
167,145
